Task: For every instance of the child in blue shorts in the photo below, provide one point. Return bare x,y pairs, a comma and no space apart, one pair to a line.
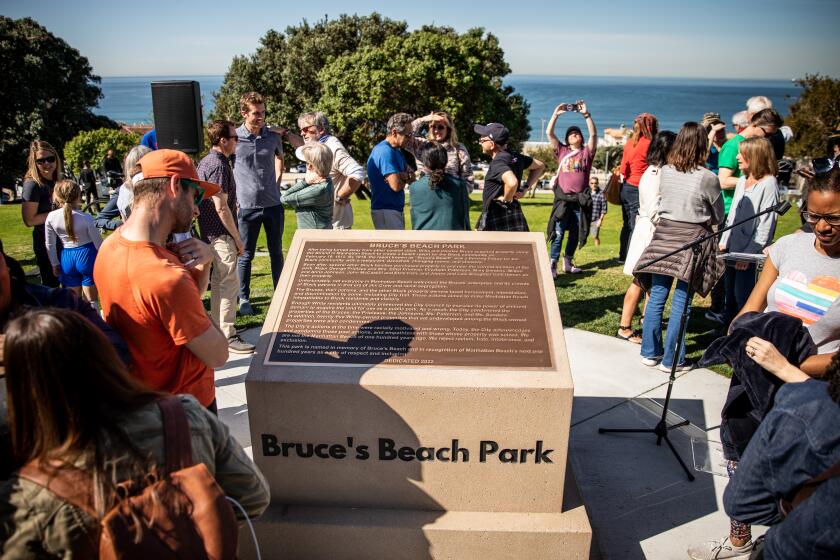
80,240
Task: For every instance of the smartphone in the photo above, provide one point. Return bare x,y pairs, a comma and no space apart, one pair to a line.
571,107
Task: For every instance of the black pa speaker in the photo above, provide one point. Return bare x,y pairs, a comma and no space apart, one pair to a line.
177,109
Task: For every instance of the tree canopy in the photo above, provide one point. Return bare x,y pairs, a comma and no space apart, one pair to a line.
359,70
815,116
92,145
48,90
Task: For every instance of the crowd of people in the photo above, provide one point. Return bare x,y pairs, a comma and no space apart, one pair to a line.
130,307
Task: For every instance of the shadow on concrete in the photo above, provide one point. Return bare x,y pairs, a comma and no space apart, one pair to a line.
633,488
307,405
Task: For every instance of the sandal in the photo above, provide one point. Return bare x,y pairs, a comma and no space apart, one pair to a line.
634,336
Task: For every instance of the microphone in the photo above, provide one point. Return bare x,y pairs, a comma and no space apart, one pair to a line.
782,207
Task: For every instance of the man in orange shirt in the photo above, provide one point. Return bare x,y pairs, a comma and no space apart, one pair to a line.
150,290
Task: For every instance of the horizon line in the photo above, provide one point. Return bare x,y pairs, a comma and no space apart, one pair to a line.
523,75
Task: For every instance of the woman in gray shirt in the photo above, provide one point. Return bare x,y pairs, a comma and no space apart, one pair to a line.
756,191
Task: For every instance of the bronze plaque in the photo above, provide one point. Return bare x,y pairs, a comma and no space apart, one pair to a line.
460,304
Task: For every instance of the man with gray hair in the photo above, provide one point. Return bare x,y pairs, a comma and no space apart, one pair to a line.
782,136
346,173
389,173
740,121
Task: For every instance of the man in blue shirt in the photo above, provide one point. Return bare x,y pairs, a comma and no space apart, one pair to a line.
257,173
389,174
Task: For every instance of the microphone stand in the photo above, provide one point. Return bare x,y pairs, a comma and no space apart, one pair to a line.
662,428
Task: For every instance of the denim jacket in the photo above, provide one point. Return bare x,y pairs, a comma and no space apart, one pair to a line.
798,440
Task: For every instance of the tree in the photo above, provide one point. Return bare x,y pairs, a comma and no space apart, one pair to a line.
48,90
284,67
361,69
92,145
815,116
430,69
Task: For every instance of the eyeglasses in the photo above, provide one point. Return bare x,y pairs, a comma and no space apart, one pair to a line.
484,139
43,160
308,129
439,127
824,165
199,190
831,219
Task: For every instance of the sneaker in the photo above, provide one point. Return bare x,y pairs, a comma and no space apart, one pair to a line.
569,267
686,366
714,550
245,308
239,346
651,362
714,317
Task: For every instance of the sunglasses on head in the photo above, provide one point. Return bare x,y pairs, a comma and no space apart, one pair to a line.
199,190
824,165
43,160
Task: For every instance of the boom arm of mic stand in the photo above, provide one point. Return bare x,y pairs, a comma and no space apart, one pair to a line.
779,208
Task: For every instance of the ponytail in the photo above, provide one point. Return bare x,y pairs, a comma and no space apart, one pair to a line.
66,194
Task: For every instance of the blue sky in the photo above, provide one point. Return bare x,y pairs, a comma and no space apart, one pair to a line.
708,38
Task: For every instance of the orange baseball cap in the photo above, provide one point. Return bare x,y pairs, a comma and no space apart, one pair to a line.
166,163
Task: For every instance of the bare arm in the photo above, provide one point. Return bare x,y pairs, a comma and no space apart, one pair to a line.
590,126
31,217
210,347
816,365
758,297
511,186
278,168
727,178
535,172
296,140
349,188
395,181
225,215
552,139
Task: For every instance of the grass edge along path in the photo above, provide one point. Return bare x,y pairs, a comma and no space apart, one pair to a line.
590,301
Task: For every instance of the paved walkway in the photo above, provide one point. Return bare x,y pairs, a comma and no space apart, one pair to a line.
639,501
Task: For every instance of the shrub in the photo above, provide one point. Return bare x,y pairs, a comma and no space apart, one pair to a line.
93,145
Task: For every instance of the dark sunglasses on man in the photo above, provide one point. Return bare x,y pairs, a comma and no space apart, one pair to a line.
199,190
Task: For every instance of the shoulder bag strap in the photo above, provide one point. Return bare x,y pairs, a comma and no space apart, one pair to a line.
177,443
68,483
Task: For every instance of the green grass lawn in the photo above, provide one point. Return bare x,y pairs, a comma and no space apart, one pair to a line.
590,301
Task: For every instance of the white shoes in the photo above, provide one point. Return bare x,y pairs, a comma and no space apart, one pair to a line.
715,550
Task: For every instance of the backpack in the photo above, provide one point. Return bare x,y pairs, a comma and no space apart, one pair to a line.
182,514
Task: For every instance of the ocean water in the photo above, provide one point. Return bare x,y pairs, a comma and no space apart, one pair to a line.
611,100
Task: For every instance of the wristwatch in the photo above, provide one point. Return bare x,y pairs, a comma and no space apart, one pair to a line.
586,115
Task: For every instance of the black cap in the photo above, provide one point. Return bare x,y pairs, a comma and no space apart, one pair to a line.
573,129
496,132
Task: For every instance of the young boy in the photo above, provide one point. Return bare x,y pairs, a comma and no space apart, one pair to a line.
599,209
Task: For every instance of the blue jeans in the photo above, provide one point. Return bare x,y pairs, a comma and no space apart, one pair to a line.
250,221
652,330
569,222
739,285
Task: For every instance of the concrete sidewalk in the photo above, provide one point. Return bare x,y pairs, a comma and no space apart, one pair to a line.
638,498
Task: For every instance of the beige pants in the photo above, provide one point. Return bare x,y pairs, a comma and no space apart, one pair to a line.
224,284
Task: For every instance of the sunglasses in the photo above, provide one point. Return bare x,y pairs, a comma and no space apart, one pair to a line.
42,161
307,129
824,165
439,127
199,190
235,138
831,219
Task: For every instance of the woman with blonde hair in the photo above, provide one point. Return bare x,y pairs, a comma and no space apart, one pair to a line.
44,169
442,130
80,238
756,191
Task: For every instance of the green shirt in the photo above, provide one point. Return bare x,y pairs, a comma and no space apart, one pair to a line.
312,203
446,207
728,158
